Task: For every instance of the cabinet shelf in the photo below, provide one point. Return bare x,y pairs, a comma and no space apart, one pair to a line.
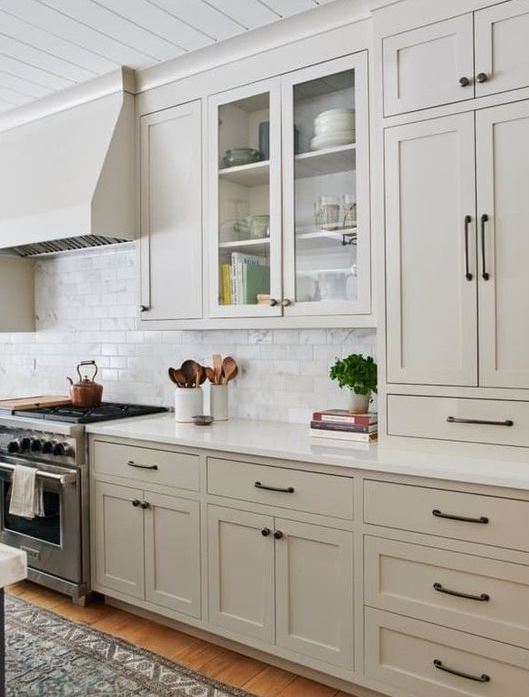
320,238
238,245
342,158
253,174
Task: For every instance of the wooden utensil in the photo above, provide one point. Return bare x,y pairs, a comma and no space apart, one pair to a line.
171,372
229,369
217,367
210,374
191,370
199,374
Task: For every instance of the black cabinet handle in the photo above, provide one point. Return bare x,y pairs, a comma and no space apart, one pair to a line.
136,503
286,490
481,422
484,273
483,520
131,463
482,77
145,504
273,302
468,275
145,308
265,532
476,678
482,597
464,81
278,534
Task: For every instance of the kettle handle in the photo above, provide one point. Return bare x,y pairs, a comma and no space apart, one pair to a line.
92,363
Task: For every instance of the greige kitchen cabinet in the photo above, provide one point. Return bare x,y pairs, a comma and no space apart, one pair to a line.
171,213
119,543
431,252
17,315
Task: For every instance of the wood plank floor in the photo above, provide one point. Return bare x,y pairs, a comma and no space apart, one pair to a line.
229,667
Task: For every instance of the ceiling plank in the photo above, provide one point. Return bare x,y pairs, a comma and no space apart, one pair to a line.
287,8
31,73
158,21
14,98
203,16
58,24
105,21
30,89
46,41
250,13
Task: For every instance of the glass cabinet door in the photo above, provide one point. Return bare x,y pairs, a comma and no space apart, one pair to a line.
326,189
245,202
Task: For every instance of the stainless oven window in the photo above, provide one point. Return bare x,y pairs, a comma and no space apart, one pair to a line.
47,528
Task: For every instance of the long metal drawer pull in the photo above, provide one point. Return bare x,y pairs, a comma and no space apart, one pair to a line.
484,273
468,275
476,678
450,516
61,478
286,490
482,597
131,463
481,422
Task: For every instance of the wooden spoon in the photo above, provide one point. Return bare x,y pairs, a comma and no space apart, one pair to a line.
210,374
217,367
176,376
171,372
229,369
199,374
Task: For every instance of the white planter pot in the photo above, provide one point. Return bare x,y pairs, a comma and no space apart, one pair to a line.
188,402
359,403
219,407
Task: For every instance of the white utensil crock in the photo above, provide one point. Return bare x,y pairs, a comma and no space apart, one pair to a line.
219,402
188,402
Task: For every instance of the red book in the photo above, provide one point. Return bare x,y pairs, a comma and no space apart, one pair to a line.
344,416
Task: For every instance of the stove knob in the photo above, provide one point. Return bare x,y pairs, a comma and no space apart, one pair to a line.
13,446
58,449
47,447
36,445
24,444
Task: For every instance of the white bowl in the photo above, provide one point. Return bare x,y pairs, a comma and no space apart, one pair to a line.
345,121
332,141
334,114
332,128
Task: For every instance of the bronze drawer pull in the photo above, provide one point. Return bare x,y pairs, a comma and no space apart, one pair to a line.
476,678
131,463
450,516
287,490
481,422
482,597
468,275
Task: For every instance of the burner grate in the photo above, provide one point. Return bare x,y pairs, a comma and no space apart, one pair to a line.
107,411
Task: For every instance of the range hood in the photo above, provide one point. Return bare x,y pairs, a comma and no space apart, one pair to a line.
67,179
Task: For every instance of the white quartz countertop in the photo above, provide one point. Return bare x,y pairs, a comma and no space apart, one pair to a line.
293,442
13,566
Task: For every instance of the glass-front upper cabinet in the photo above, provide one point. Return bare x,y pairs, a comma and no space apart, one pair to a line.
326,239
244,229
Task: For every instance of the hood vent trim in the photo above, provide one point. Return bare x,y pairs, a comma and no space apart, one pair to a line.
68,244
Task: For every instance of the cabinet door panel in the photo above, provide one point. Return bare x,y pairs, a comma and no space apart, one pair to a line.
314,586
172,553
502,34
503,186
422,67
241,572
119,539
431,304
171,213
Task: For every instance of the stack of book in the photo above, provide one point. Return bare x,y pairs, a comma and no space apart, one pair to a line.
244,279
340,423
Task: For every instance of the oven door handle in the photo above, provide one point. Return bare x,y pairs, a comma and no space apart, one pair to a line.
61,478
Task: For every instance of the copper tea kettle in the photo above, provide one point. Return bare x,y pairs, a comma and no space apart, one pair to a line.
86,392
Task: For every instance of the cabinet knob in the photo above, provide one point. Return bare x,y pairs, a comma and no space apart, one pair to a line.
145,504
464,81
278,534
482,77
265,532
286,302
273,302
136,503
144,308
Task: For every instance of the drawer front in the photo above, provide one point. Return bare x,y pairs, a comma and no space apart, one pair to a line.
404,653
473,594
284,488
473,518
147,465
496,422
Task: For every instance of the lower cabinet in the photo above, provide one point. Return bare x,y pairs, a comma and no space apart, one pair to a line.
148,546
282,582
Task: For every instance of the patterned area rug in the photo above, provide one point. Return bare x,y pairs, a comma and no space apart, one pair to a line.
48,656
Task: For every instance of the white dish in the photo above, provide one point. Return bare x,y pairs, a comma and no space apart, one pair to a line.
333,128
332,141
347,121
334,113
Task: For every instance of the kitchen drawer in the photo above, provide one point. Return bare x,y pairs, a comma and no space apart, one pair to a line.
403,653
493,421
302,491
423,582
180,470
487,520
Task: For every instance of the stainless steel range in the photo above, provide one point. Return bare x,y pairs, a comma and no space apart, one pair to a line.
52,440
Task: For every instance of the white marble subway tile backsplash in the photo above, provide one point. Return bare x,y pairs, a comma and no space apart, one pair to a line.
86,308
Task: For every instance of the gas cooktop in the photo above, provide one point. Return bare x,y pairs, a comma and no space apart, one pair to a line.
107,411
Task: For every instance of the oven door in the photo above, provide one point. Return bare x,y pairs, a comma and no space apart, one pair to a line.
52,542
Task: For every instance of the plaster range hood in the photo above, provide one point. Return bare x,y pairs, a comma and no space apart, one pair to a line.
67,178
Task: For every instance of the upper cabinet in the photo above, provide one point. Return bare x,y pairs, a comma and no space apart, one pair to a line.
171,214
17,315
473,55
288,206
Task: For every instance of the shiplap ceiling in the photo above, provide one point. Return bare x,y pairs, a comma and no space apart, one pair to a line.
48,45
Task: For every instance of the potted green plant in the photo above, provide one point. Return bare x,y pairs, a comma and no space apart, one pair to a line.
357,373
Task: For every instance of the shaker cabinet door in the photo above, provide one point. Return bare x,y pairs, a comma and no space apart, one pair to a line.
171,214
172,553
431,253
118,539
314,586
502,137
429,66
241,572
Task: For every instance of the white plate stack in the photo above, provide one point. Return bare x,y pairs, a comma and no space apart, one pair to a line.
332,128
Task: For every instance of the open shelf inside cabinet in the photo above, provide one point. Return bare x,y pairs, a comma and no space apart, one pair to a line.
253,174
326,161
343,236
